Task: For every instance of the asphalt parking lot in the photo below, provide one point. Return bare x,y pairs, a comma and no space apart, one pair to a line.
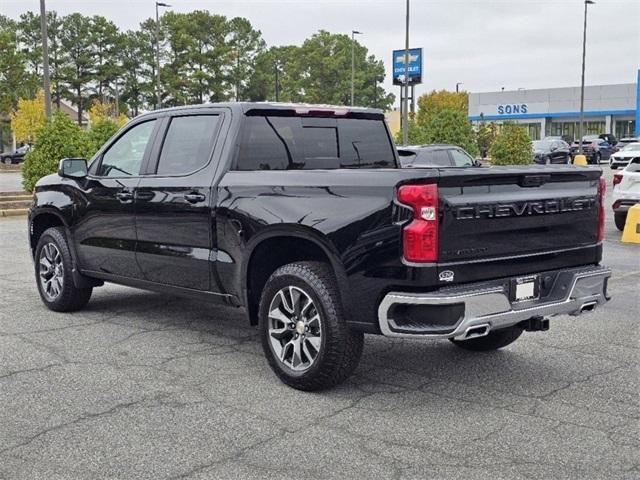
141,385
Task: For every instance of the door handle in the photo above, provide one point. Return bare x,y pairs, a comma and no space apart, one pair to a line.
194,197
124,196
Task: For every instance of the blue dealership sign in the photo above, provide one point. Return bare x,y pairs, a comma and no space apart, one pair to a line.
415,66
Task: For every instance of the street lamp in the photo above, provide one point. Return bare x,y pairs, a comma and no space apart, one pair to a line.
458,86
276,68
353,61
158,101
584,52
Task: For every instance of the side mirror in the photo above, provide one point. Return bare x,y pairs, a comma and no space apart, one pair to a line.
73,168
477,163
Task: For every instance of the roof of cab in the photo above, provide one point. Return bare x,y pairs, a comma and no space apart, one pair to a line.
245,107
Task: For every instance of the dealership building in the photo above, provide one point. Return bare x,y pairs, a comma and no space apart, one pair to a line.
556,111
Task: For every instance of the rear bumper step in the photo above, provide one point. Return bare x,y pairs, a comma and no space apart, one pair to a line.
474,310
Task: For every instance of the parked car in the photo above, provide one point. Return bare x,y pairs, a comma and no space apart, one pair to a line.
435,155
626,154
301,215
551,151
594,148
626,192
627,140
15,157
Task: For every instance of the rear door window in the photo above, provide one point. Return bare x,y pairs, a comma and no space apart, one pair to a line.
188,144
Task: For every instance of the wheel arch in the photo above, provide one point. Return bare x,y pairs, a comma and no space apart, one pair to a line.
40,221
286,244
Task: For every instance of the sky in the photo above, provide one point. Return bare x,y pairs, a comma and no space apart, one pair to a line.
484,44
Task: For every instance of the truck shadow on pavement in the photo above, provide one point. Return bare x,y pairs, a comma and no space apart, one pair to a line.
150,327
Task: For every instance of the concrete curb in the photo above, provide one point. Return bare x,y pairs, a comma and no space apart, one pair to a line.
13,212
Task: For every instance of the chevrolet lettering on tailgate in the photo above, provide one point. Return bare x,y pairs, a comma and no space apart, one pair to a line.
518,209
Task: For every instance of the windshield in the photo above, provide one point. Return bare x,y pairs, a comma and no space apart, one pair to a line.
541,145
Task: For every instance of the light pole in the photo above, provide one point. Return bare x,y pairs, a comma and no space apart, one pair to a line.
584,52
353,62
45,60
158,4
276,71
405,100
458,86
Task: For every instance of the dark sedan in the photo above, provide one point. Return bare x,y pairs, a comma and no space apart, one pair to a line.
436,155
546,152
15,157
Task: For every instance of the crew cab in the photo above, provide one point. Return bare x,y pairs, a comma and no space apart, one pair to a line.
302,216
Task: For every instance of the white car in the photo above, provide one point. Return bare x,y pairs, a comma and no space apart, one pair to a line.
626,191
622,157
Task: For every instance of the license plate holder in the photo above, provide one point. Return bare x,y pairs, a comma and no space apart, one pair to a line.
524,289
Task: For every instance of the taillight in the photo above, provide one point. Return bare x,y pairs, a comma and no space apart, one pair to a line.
420,237
601,191
617,178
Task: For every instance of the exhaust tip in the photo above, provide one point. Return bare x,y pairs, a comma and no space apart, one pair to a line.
476,331
588,307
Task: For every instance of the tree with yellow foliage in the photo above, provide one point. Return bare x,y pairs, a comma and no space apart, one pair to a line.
28,118
101,111
431,104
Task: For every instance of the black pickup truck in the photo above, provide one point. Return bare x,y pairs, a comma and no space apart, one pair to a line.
302,216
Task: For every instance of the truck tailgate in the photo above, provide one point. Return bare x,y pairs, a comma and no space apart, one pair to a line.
508,221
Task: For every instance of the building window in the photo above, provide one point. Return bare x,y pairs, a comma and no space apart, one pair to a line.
533,129
625,128
571,129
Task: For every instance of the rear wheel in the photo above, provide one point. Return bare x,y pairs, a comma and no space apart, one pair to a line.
303,329
620,219
495,340
53,269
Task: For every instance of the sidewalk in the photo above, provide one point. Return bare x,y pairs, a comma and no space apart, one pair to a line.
10,181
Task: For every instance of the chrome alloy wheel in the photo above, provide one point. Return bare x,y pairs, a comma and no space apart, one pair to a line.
295,332
51,271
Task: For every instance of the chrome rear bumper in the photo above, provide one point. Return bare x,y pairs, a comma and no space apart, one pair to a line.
488,307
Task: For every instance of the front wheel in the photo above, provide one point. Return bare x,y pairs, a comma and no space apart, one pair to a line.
493,341
620,219
303,328
53,268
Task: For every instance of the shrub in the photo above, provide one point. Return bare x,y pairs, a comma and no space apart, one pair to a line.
58,138
100,132
452,126
512,146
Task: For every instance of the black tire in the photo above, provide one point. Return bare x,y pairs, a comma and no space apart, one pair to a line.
69,298
598,158
495,340
339,349
620,219
613,167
